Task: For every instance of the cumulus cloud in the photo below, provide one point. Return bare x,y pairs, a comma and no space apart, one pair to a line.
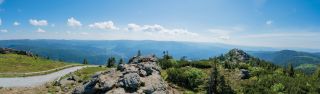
38,22
107,25
40,30
269,22
16,23
73,22
3,30
159,29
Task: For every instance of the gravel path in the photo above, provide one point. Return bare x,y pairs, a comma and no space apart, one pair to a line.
33,81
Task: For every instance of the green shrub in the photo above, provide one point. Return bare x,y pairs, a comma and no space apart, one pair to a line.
167,63
277,87
187,77
202,64
197,64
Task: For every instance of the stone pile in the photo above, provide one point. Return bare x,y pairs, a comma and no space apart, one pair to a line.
140,76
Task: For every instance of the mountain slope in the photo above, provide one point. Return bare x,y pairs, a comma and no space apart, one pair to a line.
98,51
285,57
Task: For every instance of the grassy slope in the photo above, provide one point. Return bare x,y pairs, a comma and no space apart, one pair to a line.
13,63
87,72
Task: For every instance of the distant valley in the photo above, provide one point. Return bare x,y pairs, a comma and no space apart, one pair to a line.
98,51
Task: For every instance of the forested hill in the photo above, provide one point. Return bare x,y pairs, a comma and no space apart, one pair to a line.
237,72
97,51
304,61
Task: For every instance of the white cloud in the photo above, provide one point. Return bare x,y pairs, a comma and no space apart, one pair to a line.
73,22
269,22
38,22
16,23
134,27
225,33
107,25
159,30
0,21
83,33
40,30
3,30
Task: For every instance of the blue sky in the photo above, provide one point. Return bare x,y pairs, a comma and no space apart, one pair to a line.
268,23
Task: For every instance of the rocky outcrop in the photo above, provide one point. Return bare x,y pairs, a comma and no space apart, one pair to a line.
13,51
244,74
237,56
141,75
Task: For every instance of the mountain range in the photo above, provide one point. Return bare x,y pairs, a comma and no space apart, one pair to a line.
97,51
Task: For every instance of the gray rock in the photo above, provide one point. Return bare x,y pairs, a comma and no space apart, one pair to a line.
116,91
131,81
74,77
65,82
140,76
107,81
142,73
244,74
121,67
131,69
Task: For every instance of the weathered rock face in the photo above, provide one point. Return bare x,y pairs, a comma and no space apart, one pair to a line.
237,56
141,75
13,51
244,74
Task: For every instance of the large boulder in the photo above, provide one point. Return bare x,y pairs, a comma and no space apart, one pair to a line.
131,81
244,74
140,76
107,81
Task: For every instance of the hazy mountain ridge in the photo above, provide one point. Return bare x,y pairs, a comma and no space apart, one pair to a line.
97,51
288,56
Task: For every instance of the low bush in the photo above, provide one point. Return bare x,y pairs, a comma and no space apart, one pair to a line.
187,77
197,64
167,63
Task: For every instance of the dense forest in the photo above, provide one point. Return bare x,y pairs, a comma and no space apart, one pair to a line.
237,72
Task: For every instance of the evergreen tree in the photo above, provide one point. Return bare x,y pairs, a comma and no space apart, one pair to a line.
290,70
183,58
316,74
213,81
121,61
85,61
139,53
111,62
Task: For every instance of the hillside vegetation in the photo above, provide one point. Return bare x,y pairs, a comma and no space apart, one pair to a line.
299,60
14,63
236,72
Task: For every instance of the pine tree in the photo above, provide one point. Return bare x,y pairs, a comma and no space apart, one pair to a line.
183,58
213,81
85,61
316,74
139,53
290,70
111,62
121,61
